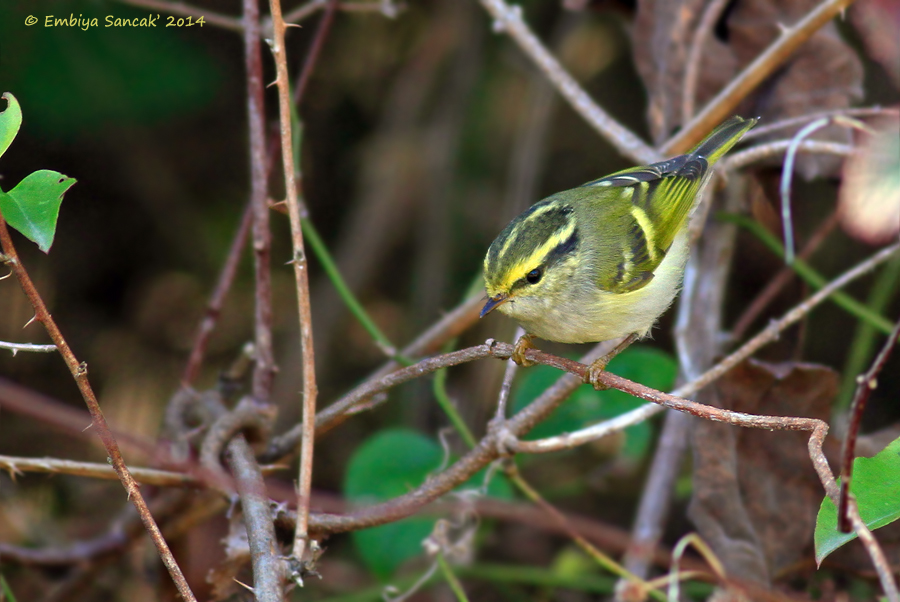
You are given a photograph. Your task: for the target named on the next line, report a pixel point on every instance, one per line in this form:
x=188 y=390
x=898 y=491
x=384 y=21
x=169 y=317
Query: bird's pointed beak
x=493 y=303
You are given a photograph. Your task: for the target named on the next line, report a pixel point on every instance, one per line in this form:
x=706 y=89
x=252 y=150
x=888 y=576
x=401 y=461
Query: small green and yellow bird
x=606 y=259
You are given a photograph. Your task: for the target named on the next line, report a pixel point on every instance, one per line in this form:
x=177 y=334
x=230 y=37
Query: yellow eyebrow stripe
x=536 y=214
x=519 y=270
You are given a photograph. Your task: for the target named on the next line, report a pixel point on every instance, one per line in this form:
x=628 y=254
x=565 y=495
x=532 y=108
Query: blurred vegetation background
x=423 y=135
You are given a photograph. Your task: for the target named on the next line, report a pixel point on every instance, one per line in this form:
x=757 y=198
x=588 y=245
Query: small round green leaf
x=387 y=465
x=33 y=205
x=10 y=120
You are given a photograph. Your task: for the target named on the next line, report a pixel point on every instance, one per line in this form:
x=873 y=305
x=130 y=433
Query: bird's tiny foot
x=505 y=440
x=592 y=376
x=594 y=371
x=522 y=345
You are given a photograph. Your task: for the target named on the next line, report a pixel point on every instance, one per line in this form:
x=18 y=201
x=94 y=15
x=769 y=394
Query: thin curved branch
x=264 y=370
x=759 y=152
x=79 y=373
x=16 y=465
x=488 y=450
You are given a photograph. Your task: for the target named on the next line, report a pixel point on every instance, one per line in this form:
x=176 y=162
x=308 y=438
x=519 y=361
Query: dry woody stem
x=79 y=373
x=301 y=276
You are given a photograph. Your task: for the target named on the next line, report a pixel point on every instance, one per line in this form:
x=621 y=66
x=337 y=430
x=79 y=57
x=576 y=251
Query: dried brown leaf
x=663 y=33
x=824 y=73
x=755 y=492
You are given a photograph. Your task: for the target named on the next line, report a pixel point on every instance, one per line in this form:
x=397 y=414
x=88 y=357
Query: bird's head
x=529 y=263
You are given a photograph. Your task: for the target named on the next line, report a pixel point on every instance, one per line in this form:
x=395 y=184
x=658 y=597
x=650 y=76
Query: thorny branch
x=79 y=373
x=301 y=277
x=267 y=584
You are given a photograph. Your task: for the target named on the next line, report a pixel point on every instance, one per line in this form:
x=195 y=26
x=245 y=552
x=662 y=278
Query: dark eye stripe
x=563 y=249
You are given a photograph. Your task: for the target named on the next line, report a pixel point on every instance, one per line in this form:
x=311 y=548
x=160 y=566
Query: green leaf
x=33 y=205
x=644 y=365
x=387 y=465
x=876 y=486
x=10 y=121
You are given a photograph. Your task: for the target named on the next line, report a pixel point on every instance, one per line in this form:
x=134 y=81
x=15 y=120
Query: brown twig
x=765 y=64
x=79 y=373
x=16 y=465
x=266 y=586
x=247 y=416
x=866 y=384
x=301 y=277
x=217 y=300
x=508 y=375
x=264 y=371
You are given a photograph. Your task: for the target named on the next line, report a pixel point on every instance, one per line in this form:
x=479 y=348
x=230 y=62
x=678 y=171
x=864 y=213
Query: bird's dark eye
x=534 y=276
